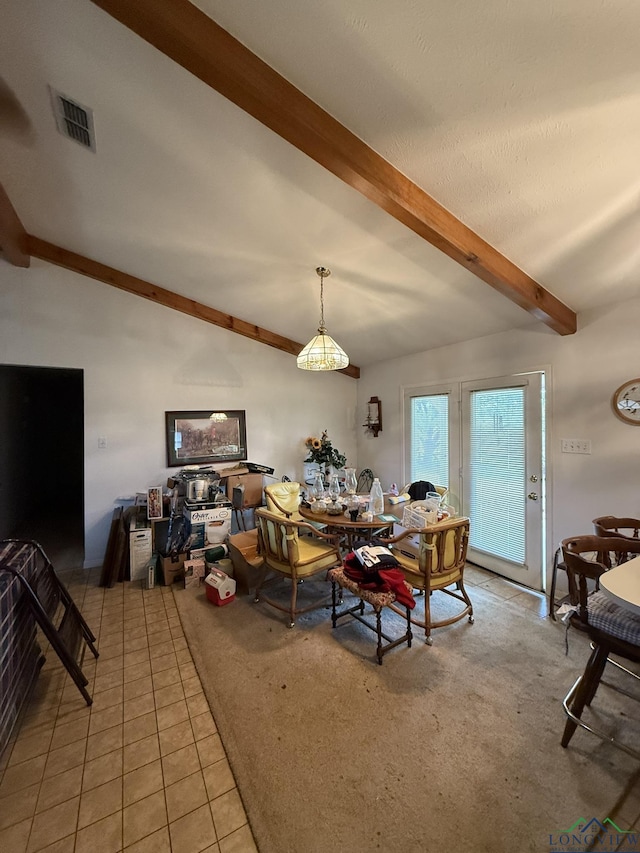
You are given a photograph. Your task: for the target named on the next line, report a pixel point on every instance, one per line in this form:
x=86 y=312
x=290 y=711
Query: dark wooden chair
x=572 y=597
x=612 y=629
x=610 y=525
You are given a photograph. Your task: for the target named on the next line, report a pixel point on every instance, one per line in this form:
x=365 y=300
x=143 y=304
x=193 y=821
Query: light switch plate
x=576 y=445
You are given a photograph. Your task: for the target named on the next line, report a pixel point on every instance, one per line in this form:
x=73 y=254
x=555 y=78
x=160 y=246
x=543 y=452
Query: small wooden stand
x=377 y=600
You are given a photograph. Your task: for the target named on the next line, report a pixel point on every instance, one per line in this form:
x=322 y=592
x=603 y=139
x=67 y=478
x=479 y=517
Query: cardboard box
x=140 y=546
x=409 y=546
x=232 y=472
x=243 y=550
x=193 y=572
x=208 y=524
x=197 y=553
x=171 y=569
x=253 y=485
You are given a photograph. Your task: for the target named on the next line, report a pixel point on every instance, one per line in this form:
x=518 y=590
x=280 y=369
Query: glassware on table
x=334 y=487
x=350 y=481
x=376 y=498
x=317 y=491
x=432 y=501
x=353 y=507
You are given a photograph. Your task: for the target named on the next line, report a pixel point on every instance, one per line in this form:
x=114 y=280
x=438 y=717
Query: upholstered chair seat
x=433 y=560
x=293 y=551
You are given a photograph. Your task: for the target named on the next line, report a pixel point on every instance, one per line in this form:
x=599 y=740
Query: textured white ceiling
x=522 y=119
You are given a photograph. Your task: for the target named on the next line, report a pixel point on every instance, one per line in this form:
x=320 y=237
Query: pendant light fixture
x=322 y=352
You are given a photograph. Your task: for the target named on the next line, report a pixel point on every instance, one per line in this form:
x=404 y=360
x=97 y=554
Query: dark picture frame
x=200 y=437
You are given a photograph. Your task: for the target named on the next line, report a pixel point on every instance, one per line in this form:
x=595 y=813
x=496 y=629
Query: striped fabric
x=606 y=615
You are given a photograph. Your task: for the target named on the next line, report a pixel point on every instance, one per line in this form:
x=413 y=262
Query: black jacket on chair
x=418 y=490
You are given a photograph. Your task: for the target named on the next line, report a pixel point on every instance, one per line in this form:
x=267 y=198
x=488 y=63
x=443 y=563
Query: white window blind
x=430 y=439
x=497 y=459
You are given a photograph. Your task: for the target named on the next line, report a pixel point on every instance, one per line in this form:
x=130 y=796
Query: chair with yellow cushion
x=432 y=560
x=290 y=555
x=283 y=499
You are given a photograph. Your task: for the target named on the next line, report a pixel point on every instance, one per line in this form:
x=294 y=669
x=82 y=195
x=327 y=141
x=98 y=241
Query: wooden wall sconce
x=374 y=416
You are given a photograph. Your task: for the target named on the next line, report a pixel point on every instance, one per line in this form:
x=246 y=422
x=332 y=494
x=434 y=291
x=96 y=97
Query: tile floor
x=515 y=594
x=143 y=768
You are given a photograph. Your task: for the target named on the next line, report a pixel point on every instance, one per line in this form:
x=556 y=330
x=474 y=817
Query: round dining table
x=353 y=530
x=622 y=584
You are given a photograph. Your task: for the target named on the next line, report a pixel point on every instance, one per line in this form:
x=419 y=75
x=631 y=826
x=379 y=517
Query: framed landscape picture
x=197 y=438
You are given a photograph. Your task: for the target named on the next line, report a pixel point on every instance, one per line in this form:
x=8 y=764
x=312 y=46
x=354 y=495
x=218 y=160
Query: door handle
x=532 y=496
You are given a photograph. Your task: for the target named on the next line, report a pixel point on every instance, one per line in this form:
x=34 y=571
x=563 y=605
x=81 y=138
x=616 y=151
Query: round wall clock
x=626 y=402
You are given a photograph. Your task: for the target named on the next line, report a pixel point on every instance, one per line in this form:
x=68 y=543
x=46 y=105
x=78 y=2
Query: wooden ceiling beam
x=193 y=40
x=38 y=248
x=13 y=237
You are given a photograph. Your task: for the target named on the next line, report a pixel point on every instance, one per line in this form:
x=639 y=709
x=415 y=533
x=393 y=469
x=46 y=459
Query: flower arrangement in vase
x=323 y=453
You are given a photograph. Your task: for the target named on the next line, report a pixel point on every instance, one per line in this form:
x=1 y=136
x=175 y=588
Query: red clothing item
x=395 y=579
x=380 y=580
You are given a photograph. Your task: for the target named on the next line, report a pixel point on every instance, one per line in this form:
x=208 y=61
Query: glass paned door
x=484 y=440
x=502 y=475
x=429 y=459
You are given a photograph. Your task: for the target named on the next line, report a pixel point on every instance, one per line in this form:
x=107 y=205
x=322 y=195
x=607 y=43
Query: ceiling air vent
x=74 y=120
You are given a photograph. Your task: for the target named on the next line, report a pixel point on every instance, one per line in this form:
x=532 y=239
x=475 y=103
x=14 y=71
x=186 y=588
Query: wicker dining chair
x=289 y=555
x=435 y=564
x=283 y=499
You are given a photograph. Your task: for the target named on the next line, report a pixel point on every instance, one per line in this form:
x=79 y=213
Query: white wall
x=584 y=370
x=140 y=360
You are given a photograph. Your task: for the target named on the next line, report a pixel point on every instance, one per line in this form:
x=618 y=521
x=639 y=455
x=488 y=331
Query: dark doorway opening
x=42 y=459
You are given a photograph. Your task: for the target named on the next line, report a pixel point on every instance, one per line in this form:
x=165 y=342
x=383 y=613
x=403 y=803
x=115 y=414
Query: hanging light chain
x=322 y=352
x=322 y=272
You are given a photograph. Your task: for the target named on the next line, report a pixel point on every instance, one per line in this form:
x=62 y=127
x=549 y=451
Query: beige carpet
x=453 y=747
